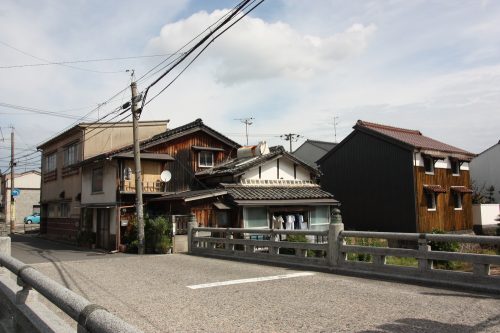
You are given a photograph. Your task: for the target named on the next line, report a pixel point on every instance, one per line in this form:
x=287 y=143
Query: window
x=71 y=154
x=97 y=175
x=428 y=164
x=255 y=217
x=64 y=209
x=205 y=159
x=455 y=167
x=430 y=198
x=52 y=210
x=320 y=218
x=50 y=162
x=457 y=200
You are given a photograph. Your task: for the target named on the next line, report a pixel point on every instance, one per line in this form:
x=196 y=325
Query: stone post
x=191 y=224
x=4 y=249
x=424 y=264
x=335 y=228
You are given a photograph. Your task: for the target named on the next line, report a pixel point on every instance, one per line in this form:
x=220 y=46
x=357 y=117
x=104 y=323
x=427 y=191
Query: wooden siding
x=445 y=217
x=186 y=158
x=373 y=180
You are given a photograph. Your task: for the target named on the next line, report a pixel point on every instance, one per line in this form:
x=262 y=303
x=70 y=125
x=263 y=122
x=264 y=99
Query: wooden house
x=251 y=189
x=395 y=179
x=108 y=179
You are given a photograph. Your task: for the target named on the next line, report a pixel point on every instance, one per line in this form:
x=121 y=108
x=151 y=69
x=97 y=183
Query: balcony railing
x=147 y=186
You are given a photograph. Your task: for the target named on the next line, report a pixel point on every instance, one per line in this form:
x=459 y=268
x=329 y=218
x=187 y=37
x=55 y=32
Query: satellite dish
x=165 y=176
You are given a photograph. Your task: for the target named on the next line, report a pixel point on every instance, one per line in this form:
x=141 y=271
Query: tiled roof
x=198 y=123
x=413 y=138
x=239 y=165
x=434 y=188
x=241 y=192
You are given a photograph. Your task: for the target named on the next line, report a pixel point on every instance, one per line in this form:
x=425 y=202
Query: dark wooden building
x=395 y=179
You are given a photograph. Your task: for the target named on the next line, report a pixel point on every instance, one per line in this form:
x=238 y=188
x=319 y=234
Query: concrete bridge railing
x=32 y=316
x=329 y=250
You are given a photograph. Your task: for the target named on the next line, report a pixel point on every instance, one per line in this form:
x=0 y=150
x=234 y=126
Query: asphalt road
x=155 y=293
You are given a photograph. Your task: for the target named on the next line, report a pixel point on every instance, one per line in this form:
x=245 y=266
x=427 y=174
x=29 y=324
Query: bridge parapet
x=32 y=316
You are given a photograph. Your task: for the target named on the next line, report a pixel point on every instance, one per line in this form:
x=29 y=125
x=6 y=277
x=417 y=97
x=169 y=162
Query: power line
x=86 y=61
x=290 y=137
x=49 y=62
x=241 y=6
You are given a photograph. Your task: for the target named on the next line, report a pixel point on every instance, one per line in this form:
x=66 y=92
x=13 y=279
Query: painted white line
x=258 y=279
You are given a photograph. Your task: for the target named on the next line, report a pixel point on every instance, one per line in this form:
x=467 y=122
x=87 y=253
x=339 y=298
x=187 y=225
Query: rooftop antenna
x=247 y=122
x=335 y=123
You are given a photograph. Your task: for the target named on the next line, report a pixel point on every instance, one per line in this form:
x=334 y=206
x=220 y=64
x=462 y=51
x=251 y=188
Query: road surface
x=182 y=293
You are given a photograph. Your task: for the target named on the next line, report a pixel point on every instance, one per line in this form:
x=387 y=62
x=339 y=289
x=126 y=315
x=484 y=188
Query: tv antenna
x=247 y=122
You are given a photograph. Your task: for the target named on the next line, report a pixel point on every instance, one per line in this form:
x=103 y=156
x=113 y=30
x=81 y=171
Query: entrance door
x=102 y=228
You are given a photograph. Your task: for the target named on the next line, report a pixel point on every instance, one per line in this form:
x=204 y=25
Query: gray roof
x=243 y=192
x=312 y=150
x=239 y=165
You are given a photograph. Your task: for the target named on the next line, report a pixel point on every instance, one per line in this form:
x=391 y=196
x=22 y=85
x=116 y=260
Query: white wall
x=485 y=170
x=269 y=171
x=485 y=214
x=440 y=164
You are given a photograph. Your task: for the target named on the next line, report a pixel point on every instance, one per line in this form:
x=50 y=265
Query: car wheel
x=29 y=221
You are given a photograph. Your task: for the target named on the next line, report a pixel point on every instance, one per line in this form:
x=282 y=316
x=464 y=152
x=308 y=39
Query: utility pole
x=138 y=173
x=335 y=123
x=12 y=201
x=246 y=121
x=290 y=137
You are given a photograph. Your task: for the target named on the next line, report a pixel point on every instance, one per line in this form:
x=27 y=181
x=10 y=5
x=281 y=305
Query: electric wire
x=195 y=57
x=64 y=65
x=85 y=61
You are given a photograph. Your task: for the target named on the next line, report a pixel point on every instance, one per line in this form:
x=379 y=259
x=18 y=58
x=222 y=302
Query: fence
x=334 y=253
x=34 y=317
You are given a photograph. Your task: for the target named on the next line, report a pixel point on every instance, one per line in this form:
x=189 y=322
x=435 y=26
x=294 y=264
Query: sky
x=292 y=66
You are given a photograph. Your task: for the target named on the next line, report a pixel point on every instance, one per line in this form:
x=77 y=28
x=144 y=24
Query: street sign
x=16 y=192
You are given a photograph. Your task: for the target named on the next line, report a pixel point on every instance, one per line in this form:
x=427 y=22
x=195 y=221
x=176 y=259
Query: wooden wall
x=445 y=217
x=186 y=158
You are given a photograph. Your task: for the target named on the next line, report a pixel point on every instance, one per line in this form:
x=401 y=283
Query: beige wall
x=29 y=184
x=108 y=194
x=102 y=139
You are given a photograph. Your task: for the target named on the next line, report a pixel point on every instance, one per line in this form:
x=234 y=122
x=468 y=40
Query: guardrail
x=329 y=250
x=90 y=317
x=269 y=244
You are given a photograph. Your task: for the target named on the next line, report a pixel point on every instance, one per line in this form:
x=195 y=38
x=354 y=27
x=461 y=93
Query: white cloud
x=255 y=49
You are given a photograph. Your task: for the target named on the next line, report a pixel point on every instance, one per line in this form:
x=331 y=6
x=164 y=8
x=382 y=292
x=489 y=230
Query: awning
x=434 y=154
x=461 y=189
x=207 y=148
x=147 y=156
x=434 y=188
x=220 y=205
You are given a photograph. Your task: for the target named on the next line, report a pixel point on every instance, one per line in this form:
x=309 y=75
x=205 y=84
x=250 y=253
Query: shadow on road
x=414 y=325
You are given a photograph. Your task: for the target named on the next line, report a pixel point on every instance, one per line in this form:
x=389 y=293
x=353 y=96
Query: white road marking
x=258 y=279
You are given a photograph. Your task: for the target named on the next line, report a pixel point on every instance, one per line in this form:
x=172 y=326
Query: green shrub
x=446 y=247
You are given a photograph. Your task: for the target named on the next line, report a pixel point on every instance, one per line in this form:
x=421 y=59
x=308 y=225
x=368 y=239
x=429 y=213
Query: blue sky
x=291 y=65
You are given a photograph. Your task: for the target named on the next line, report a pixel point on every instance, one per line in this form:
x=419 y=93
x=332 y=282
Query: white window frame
x=70 y=155
x=51 y=162
x=452 y=161
x=458 y=196
x=203 y=152
x=434 y=201
x=431 y=172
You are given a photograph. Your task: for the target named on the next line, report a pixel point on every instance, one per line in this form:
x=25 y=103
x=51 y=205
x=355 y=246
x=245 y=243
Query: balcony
x=156 y=186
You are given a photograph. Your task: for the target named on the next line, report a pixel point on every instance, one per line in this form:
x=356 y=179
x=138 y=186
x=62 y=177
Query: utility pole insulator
x=290 y=137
